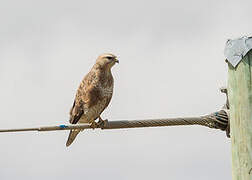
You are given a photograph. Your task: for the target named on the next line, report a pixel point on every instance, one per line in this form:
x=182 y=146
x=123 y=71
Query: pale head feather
x=106 y=61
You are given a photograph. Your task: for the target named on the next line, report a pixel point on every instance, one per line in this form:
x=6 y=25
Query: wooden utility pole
x=240 y=100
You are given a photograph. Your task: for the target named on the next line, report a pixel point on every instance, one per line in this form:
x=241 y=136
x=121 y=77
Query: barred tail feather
x=72 y=136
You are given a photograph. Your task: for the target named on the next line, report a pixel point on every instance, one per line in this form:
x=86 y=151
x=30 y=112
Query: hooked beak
x=117 y=61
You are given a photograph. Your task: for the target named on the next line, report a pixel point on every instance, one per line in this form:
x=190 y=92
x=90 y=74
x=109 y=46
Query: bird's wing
x=76 y=112
x=87 y=96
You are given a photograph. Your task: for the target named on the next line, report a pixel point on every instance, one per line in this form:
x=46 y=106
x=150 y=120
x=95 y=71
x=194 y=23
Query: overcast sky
x=171 y=64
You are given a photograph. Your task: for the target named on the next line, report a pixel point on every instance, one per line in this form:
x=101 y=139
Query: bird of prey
x=93 y=94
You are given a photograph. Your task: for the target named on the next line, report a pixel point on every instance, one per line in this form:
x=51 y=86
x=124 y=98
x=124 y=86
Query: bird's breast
x=106 y=86
x=106 y=91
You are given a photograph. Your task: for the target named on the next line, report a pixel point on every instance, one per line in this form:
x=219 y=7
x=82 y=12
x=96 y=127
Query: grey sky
x=171 y=64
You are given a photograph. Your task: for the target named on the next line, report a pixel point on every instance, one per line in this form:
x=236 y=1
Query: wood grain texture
x=240 y=99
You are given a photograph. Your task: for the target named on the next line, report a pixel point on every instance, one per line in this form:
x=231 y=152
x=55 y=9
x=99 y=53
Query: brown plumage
x=93 y=94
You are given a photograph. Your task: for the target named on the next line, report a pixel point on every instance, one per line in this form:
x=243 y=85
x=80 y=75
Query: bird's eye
x=109 y=57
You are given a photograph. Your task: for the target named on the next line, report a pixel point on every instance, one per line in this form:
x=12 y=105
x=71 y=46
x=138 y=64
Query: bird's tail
x=72 y=136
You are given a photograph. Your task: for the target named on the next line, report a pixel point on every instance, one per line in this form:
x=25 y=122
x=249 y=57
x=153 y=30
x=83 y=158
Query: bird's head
x=107 y=61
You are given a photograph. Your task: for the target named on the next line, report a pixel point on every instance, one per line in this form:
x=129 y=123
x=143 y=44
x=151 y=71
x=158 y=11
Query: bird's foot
x=101 y=123
x=94 y=125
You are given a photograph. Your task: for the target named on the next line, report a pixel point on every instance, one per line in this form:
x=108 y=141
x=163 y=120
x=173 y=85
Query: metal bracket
x=236 y=49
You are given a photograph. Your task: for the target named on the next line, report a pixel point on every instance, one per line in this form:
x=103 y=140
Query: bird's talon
x=101 y=123
x=94 y=125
